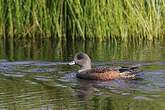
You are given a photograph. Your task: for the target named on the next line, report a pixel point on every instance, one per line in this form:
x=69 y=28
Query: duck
x=101 y=73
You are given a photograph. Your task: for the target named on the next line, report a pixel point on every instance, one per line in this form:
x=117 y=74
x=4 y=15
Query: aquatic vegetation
x=76 y=19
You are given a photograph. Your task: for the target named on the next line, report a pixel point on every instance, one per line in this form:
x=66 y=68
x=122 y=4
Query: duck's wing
x=129 y=72
x=132 y=69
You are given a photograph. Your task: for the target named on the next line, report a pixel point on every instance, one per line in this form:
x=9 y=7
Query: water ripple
x=43 y=85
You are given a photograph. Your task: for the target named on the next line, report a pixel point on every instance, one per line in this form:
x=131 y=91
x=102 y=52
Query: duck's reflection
x=85 y=88
x=88 y=88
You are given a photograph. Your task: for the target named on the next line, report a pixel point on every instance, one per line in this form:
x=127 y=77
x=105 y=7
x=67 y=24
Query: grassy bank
x=101 y=19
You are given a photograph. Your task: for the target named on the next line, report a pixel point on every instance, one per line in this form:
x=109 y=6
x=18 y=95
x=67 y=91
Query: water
x=34 y=75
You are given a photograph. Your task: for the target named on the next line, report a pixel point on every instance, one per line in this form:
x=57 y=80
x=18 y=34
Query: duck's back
x=99 y=74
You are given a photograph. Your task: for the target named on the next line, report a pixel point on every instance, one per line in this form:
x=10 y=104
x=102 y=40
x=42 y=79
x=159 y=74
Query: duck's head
x=83 y=60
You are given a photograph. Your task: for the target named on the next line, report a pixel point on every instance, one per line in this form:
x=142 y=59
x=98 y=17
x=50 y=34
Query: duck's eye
x=80 y=56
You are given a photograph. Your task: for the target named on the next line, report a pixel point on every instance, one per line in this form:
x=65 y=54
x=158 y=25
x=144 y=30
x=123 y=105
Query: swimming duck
x=102 y=73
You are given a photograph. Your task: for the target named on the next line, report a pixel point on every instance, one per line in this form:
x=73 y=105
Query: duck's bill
x=72 y=63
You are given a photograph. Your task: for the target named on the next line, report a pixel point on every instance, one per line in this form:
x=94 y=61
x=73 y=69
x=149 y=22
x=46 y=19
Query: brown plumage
x=86 y=72
x=98 y=74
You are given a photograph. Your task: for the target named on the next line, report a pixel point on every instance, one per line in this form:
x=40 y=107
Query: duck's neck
x=84 y=68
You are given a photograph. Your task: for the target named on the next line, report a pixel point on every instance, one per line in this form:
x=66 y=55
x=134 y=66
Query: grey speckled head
x=83 y=60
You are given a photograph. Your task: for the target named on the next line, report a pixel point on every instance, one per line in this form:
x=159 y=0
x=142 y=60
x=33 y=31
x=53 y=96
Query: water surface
x=35 y=75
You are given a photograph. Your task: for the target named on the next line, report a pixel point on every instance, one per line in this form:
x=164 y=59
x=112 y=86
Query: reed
x=86 y=19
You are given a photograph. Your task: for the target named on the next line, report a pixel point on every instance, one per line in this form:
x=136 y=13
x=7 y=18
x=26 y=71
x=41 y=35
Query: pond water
x=34 y=75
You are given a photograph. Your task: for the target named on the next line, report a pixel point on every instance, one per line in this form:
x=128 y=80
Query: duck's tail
x=129 y=72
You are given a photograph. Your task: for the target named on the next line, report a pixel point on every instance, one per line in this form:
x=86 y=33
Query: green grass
x=86 y=19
